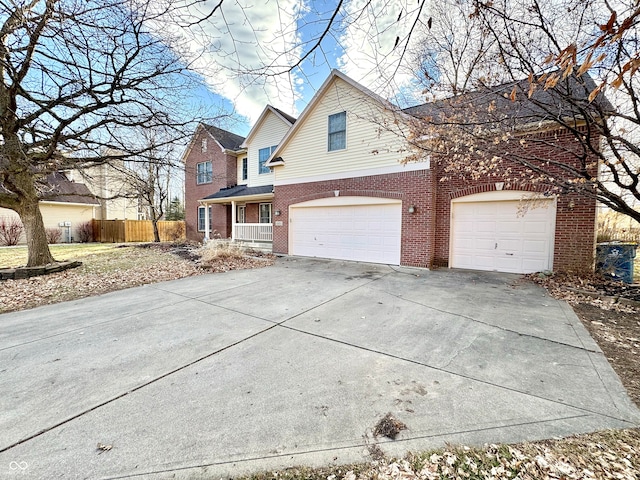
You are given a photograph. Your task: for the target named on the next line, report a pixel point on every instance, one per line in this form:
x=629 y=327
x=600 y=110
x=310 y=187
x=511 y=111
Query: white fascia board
x=258 y=123
x=370 y=172
x=316 y=98
x=244 y=198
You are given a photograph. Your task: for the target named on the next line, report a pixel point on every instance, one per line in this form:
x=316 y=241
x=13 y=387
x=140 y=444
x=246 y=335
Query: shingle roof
x=58 y=188
x=240 y=191
x=494 y=104
x=291 y=119
x=228 y=140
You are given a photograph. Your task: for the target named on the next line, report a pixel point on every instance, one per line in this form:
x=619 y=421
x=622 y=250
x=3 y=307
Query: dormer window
x=337 y=131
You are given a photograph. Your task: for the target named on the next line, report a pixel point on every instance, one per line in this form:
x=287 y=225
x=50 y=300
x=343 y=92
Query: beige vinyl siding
x=54 y=213
x=239 y=179
x=269 y=133
x=108 y=182
x=370 y=144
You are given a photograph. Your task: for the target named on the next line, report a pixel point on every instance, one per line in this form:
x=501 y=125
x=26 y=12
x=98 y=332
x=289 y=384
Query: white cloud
x=245 y=38
x=373 y=38
x=239 y=40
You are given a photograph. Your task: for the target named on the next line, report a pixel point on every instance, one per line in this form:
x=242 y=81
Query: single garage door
x=347 y=228
x=502 y=235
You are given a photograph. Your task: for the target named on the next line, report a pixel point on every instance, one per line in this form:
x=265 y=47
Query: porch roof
x=240 y=193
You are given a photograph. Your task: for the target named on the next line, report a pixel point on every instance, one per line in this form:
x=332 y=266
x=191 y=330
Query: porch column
x=233 y=220
x=207 y=227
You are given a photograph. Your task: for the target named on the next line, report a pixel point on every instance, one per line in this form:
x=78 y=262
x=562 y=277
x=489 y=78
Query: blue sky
x=242 y=51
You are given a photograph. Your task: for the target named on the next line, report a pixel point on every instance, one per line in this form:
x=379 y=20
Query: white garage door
x=347 y=228
x=505 y=236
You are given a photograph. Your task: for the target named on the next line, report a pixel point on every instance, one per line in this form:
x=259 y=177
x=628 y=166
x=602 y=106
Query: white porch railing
x=257 y=232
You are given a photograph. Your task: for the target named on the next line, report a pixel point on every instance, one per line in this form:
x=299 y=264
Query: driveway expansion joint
x=462 y=375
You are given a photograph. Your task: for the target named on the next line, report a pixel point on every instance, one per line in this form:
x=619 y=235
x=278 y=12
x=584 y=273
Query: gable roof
x=288 y=119
x=275 y=160
x=226 y=139
x=58 y=188
x=493 y=105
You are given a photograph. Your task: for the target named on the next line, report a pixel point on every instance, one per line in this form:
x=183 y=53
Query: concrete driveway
x=293 y=364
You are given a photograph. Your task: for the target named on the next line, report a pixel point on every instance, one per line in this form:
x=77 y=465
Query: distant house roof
x=58 y=188
x=240 y=191
x=226 y=139
x=494 y=105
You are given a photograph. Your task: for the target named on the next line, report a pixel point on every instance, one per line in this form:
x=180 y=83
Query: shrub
x=10 y=231
x=84 y=232
x=53 y=235
x=220 y=250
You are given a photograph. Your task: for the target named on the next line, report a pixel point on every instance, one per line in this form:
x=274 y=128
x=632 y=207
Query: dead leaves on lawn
x=114 y=269
x=604 y=456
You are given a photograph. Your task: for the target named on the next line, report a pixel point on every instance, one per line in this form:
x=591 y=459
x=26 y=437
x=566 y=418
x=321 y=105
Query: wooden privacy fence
x=119 y=231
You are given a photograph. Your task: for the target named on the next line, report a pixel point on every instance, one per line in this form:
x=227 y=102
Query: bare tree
x=75 y=78
x=149 y=176
x=547 y=71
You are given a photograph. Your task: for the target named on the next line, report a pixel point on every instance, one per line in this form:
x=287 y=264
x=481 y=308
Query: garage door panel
x=535 y=247
x=360 y=232
x=485 y=226
x=496 y=235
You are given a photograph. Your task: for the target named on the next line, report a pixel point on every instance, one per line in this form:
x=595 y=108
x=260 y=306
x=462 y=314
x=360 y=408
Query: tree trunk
x=39 y=253
x=156 y=233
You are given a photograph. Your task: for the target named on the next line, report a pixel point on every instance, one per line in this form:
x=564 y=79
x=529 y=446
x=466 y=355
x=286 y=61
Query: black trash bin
x=614 y=260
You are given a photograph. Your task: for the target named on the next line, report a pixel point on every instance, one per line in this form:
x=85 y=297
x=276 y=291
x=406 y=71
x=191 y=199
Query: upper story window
x=245 y=169
x=204 y=173
x=263 y=156
x=204 y=145
x=337 y=131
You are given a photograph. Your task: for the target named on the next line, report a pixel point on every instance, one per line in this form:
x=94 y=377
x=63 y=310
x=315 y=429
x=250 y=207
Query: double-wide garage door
x=347 y=228
x=503 y=235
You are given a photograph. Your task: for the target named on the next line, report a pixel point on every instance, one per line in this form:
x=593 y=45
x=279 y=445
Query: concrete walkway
x=293 y=364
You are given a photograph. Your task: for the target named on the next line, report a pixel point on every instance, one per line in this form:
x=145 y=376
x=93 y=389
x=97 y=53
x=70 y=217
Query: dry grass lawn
x=106 y=268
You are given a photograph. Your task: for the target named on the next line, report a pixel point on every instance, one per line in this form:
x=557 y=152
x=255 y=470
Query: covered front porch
x=250 y=213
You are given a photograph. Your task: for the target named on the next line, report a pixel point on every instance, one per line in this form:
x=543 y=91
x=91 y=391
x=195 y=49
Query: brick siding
x=575 y=227
x=413 y=188
x=224 y=175
x=425 y=233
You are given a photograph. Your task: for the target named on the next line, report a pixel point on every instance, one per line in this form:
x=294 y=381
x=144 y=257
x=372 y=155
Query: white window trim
x=345 y=133
x=210 y=218
x=198 y=174
x=243 y=209
x=244 y=169
x=270 y=213
x=271 y=150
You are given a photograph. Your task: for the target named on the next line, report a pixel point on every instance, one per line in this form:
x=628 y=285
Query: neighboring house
x=109 y=183
x=340 y=190
x=66 y=206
